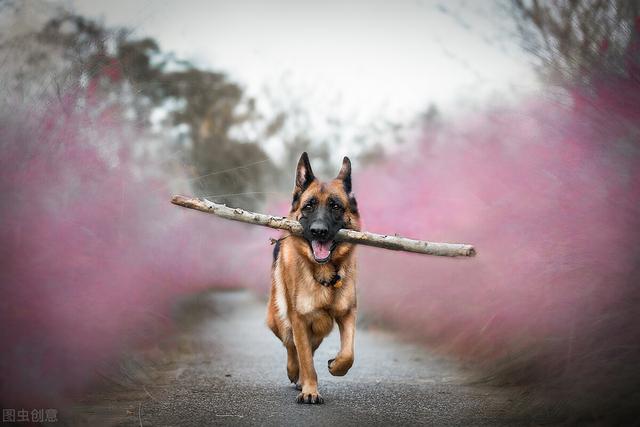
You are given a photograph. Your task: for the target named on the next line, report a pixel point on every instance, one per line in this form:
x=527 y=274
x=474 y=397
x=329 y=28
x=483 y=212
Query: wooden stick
x=395 y=243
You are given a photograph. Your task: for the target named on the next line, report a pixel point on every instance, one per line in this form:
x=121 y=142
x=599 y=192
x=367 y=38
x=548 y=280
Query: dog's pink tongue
x=320 y=250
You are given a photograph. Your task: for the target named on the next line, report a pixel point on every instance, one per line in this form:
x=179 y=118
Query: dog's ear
x=345 y=175
x=304 y=173
x=304 y=178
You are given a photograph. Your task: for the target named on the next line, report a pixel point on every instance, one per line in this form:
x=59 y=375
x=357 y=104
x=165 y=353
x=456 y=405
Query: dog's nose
x=319 y=230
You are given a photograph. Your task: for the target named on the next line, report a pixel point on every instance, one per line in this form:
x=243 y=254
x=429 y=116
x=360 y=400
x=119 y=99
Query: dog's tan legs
x=308 y=376
x=293 y=369
x=315 y=343
x=344 y=359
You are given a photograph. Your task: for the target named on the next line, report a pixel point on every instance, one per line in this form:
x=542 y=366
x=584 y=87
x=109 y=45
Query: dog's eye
x=308 y=207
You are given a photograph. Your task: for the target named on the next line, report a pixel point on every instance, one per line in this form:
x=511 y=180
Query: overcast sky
x=354 y=61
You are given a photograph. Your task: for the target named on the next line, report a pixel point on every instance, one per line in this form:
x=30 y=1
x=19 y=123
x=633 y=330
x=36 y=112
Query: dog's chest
x=313 y=298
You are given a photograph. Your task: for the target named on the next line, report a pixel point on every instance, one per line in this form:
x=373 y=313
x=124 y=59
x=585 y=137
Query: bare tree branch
x=396 y=243
x=573 y=39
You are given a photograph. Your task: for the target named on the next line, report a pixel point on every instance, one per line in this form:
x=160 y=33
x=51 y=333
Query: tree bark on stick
x=395 y=243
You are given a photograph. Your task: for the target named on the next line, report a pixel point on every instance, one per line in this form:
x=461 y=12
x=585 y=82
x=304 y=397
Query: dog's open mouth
x=322 y=250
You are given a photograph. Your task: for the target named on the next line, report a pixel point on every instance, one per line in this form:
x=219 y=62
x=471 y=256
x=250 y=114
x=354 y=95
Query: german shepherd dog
x=313 y=277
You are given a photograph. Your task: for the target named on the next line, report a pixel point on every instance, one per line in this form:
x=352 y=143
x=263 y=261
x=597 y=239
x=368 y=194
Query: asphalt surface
x=225 y=367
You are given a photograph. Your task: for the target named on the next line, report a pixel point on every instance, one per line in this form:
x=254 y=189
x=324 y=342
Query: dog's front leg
x=343 y=361
x=308 y=376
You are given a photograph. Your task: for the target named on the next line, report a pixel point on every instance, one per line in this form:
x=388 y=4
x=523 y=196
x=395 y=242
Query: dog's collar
x=336 y=281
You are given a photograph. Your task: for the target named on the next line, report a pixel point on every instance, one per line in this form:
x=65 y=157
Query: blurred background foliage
x=198 y=118
x=203 y=121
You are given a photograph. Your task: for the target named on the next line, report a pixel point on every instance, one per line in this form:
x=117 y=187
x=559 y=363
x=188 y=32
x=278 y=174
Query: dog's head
x=323 y=208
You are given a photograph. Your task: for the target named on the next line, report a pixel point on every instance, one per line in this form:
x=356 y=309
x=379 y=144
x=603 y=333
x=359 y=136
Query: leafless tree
x=574 y=38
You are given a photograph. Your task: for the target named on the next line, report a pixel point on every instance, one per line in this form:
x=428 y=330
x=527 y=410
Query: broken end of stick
x=189 y=202
x=471 y=251
x=179 y=200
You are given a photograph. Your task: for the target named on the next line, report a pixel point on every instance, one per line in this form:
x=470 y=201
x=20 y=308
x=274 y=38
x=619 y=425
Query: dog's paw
x=339 y=366
x=313 y=398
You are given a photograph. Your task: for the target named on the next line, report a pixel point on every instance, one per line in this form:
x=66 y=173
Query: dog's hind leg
x=320 y=327
x=315 y=343
x=293 y=367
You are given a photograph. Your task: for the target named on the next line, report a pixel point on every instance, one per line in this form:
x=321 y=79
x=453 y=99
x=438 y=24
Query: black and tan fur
x=307 y=296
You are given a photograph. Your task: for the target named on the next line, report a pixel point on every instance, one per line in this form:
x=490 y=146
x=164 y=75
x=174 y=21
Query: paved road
x=225 y=367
